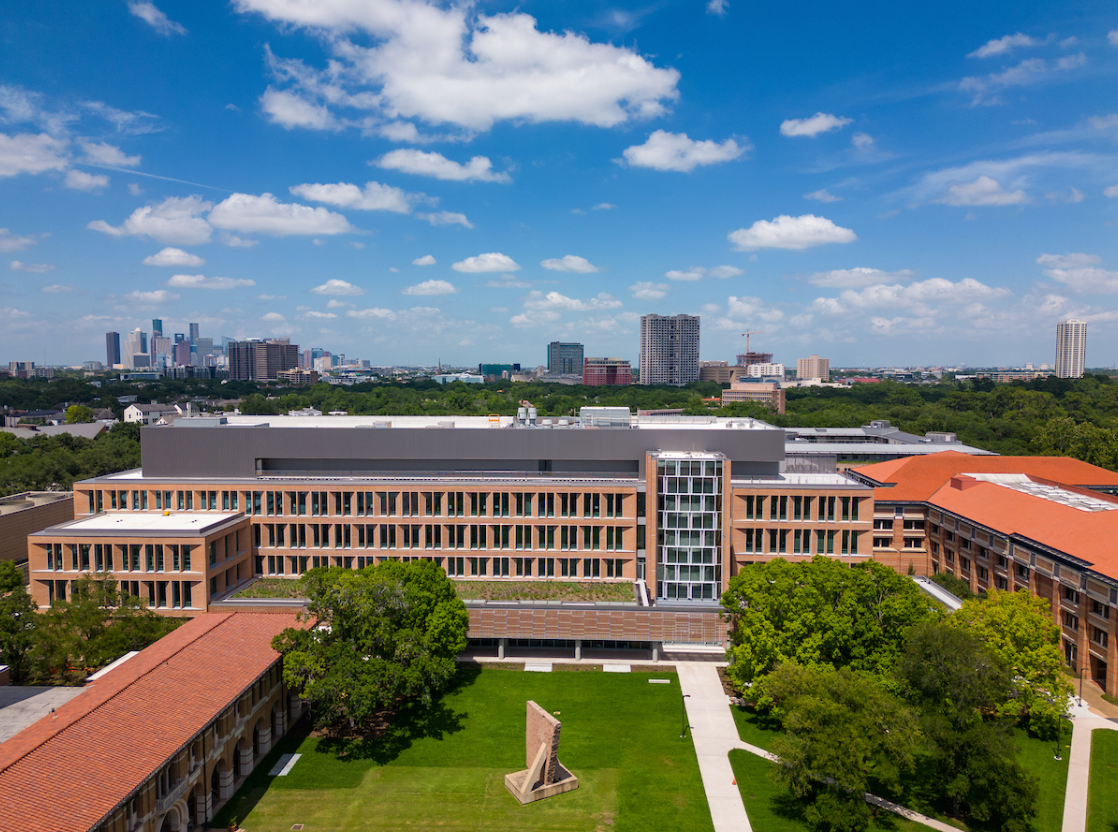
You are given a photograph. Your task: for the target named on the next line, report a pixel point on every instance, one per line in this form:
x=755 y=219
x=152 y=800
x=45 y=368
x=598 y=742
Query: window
x=882 y=542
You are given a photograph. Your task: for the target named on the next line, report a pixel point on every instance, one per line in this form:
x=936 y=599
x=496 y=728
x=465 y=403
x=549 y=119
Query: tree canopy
x=380 y=637
x=820 y=613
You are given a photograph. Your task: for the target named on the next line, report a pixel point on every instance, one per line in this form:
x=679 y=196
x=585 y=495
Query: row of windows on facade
x=822 y=509
x=133 y=557
x=800 y=540
x=158 y=594
x=437 y=536
x=366 y=503
x=456 y=567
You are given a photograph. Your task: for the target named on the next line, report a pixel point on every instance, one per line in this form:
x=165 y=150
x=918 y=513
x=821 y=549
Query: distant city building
x=1071 y=348
x=814 y=367
x=92 y=366
x=768 y=370
x=193 y=333
x=156 y=327
x=297 y=376
x=669 y=349
x=564 y=358
x=765 y=393
x=112 y=348
x=450 y=378
x=497 y=372
x=136 y=350
x=607 y=372
x=21 y=369
x=261 y=360
x=748 y=358
x=719 y=372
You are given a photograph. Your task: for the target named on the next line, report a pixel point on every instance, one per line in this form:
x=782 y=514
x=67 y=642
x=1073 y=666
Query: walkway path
x=1085 y=721
x=714 y=734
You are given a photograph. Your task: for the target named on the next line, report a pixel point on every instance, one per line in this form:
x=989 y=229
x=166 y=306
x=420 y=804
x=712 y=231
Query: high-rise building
x=814 y=367
x=564 y=358
x=112 y=348
x=261 y=360
x=607 y=372
x=193 y=333
x=1071 y=348
x=182 y=353
x=669 y=349
x=748 y=359
x=156 y=327
x=136 y=349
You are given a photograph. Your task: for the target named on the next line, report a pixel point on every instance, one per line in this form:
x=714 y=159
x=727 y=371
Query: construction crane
x=747 y=333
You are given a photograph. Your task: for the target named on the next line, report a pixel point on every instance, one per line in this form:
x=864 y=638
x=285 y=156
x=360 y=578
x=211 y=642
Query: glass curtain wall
x=689 y=523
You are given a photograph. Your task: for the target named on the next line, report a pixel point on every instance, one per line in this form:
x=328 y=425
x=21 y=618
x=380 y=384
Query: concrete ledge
x=513 y=783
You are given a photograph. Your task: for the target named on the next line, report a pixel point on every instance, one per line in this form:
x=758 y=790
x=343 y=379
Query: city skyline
x=473 y=185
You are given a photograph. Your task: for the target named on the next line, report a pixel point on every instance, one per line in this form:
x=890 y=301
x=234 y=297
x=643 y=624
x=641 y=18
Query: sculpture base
x=524 y=792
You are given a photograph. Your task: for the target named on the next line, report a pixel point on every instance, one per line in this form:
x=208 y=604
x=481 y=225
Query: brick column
x=225 y=784
x=265 y=741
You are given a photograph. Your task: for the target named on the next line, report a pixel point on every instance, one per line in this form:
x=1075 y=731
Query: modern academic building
x=1045 y=524
x=671 y=505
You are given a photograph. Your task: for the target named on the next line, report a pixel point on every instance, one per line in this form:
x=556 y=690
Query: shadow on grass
x=412 y=722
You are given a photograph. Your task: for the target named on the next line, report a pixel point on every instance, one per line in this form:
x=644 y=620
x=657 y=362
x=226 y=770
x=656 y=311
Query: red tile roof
x=1087 y=535
x=70 y=769
x=916 y=478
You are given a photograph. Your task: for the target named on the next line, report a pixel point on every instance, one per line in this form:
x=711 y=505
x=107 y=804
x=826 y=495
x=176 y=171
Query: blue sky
x=406 y=181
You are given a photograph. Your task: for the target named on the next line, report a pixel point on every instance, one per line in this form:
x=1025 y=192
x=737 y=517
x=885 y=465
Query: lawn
x=545 y=591
x=1036 y=757
x=271 y=588
x=1102 y=797
x=443 y=768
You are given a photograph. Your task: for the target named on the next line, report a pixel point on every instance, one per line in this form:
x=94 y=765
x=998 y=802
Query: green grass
x=1102 y=797
x=1037 y=758
x=443 y=768
x=773 y=809
x=271 y=588
x=753 y=728
x=544 y=591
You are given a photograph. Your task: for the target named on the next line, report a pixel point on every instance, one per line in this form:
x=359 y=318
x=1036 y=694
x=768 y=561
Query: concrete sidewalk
x=1085 y=721
x=714 y=733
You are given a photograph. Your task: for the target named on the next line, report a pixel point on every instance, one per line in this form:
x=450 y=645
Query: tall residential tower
x=1071 y=348
x=669 y=349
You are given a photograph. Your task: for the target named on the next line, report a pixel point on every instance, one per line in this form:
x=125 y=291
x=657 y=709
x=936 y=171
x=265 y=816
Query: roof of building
x=152 y=408
x=143 y=523
x=1075 y=521
x=917 y=478
x=107 y=742
x=88 y=430
x=32 y=499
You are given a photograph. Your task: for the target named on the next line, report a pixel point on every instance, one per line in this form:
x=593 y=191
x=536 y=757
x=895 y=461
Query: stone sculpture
x=545 y=775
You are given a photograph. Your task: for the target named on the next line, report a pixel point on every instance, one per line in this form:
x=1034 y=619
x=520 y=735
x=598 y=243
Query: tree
x=1017 y=627
x=381 y=638
x=95 y=627
x=842 y=732
x=958 y=684
x=78 y=414
x=820 y=613
x=17 y=622
x=10 y=577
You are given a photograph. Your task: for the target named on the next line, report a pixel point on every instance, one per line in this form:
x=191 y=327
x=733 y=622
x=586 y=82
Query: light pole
x=1059 y=727
x=683 y=715
x=1082 y=670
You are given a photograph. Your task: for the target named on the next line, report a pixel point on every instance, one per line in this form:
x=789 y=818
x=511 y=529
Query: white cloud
x=425 y=260
x=723 y=272
x=527 y=320
x=674 y=151
x=79 y=180
x=813 y=125
x=421 y=163
x=148 y=13
x=174 y=257
x=985 y=190
x=538 y=301
x=646 y=290
x=491 y=262
x=1029 y=71
x=915 y=296
x=457 y=66
x=862 y=142
x=340 y=304
x=1002 y=45
x=29 y=153
x=604 y=206
x=333 y=286
x=748 y=309
x=10 y=242
x=790 y=233
x=822 y=195
x=32 y=268
x=272 y=317
x=265 y=215
x=102 y=153
x=445 y=218
x=508 y=281
x=375 y=312
x=1111 y=191
x=1112 y=37
x=857 y=277
x=717 y=7
x=431 y=287
x=690 y=275
x=233 y=241
x=374 y=197
x=56 y=288
x=158 y=296
x=197 y=281
x=134 y=189
x=289 y=110
x=271 y=297
x=1071 y=195
x=570 y=263
x=1080 y=273
x=315 y=315
x=174 y=220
